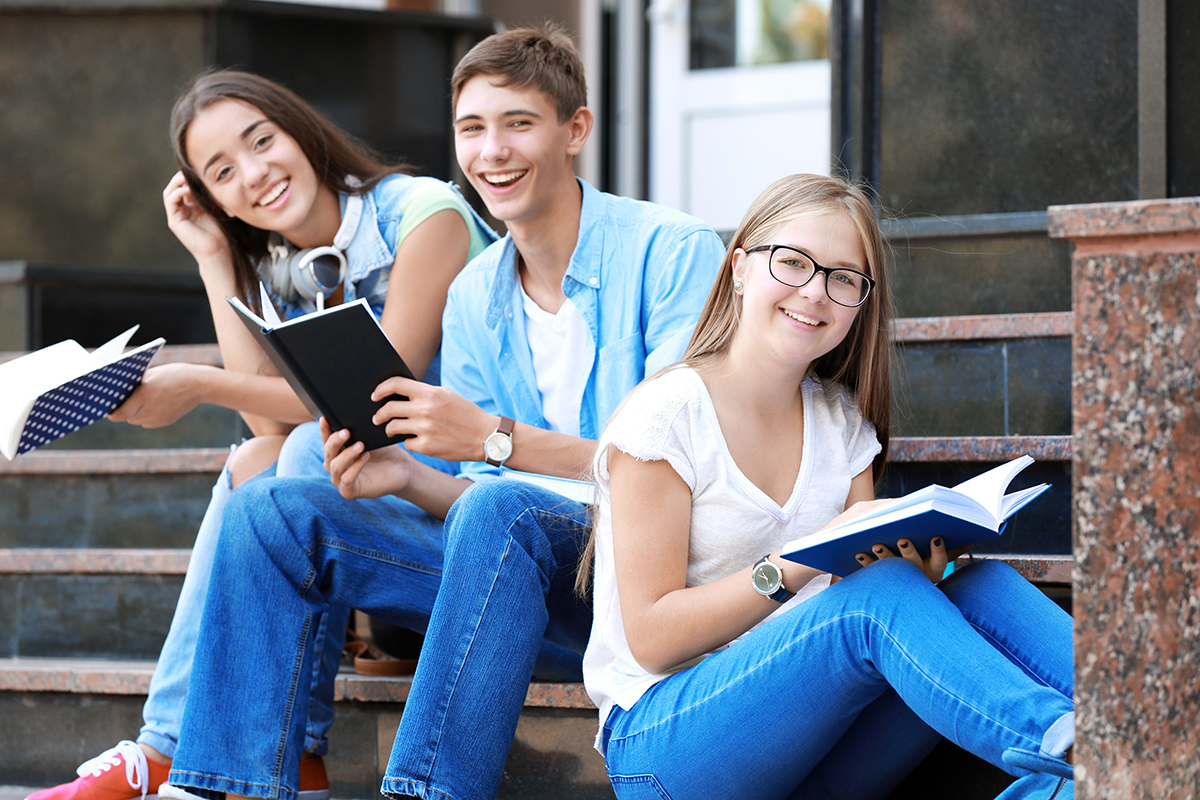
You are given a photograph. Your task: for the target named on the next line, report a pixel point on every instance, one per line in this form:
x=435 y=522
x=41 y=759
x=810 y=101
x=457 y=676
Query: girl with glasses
x=724 y=670
x=263 y=179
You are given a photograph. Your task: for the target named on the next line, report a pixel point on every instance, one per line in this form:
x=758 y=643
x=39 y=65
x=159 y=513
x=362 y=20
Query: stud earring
x=737 y=287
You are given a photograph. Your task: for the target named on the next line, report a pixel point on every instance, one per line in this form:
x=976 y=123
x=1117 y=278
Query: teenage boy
x=544 y=334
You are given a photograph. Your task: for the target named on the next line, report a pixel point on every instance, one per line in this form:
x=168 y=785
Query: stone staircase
x=94 y=532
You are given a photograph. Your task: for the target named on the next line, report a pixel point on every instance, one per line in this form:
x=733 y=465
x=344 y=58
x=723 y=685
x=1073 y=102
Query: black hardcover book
x=333 y=359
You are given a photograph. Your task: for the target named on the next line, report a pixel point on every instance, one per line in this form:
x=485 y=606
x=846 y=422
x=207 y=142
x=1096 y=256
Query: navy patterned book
x=59 y=389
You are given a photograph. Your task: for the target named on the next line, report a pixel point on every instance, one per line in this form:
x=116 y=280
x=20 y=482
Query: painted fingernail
x=879 y=550
x=904 y=545
x=937 y=542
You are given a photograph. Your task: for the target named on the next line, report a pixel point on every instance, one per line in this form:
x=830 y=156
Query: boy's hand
x=359 y=474
x=443 y=424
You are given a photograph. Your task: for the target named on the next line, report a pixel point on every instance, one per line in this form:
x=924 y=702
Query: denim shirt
x=639 y=275
x=371 y=252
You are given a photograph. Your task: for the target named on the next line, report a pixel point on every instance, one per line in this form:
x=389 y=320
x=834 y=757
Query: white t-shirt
x=559 y=343
x=733 y=523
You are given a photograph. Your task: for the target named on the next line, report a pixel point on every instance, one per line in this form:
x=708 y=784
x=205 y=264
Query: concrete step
x=125 y=498
x=63 y=712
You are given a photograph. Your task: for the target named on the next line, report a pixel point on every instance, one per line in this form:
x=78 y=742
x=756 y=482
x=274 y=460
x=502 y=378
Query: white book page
x=270 y=315
x=988 y=489
x=24 y=377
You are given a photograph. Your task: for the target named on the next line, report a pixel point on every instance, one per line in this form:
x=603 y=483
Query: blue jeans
x=163 y=712
x=292 y=548
x=506 y=611
x=845 y=694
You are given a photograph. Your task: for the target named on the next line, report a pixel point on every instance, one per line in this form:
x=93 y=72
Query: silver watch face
x=767 y=578
x=497 y=446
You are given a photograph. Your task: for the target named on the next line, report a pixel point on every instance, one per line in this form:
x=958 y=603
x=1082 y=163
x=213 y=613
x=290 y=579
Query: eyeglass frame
x=827 y=271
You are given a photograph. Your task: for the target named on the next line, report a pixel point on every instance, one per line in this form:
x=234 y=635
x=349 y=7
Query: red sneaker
x=314 y=783
x=122 y=773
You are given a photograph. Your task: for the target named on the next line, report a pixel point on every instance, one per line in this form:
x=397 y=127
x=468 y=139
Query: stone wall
x=1136 y=397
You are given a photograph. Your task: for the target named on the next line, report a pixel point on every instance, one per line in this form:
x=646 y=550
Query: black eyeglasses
x=792 y=267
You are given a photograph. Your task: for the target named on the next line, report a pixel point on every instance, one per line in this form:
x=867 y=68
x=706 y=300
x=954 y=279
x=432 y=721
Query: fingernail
x=937 y=542
x=904 y=545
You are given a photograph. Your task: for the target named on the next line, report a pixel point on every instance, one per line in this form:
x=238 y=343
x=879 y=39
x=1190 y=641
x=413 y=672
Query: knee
x=252 y=457
x=495 y=512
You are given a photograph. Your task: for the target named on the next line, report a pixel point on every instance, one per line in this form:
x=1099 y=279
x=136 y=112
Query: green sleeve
x=430 y=197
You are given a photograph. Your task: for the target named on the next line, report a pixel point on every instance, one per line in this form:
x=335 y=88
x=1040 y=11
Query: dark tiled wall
x=994 y=388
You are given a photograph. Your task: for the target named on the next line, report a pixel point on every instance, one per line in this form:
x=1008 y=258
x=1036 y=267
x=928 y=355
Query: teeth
x=505 y=178
x=799 y=318
x=274 y=195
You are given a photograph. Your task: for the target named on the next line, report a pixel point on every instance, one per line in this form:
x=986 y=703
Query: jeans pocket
x=638 y=787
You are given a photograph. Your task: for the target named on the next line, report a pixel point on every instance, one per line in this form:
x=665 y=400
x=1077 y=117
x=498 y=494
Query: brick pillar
x=1136 y=500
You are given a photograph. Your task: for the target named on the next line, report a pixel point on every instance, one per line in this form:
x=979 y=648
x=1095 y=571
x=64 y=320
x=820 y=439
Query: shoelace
x=137 y=769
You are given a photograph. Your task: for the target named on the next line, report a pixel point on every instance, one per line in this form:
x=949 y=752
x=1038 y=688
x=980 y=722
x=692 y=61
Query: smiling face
x=257 y=173
x=513 y=149
x=797 y=325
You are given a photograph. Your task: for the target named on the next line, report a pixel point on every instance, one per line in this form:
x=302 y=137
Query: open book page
x=269 y=313
x=988 y=489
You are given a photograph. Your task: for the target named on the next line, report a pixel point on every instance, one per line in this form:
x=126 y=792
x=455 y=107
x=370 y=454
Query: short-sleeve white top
x=733 y=522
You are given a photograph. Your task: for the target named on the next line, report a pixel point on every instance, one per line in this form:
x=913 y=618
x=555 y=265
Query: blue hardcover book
x=966 y=514
x=61 y=388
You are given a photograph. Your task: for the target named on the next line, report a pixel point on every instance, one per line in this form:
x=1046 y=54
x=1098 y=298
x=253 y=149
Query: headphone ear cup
x=317 y=270
x=281 y=277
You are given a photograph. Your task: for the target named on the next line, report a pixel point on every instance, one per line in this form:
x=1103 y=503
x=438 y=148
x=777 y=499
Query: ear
x=739 y=264
x=580 y=126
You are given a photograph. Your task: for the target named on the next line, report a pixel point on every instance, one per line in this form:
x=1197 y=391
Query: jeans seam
x=375 y=555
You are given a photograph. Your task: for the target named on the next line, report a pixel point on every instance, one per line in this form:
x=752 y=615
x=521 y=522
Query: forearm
x=268 y=399
x=688 y=623
x=547 y=453
x=432 y=490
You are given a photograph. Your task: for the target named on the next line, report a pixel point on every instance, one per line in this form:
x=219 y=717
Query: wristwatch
x=497 y=447
x=768 y=580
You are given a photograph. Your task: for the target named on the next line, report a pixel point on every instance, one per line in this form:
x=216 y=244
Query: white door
x=739 y=96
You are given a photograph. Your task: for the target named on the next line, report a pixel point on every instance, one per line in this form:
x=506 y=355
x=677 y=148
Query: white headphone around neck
x=314 y=272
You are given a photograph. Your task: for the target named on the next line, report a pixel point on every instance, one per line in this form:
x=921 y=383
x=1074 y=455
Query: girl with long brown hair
x=269 y=190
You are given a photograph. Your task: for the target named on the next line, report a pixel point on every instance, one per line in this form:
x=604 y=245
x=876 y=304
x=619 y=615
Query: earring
x=737 y=287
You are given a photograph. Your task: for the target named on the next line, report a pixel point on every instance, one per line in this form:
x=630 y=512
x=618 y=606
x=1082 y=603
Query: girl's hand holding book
x=934 y=567
x=167 y=392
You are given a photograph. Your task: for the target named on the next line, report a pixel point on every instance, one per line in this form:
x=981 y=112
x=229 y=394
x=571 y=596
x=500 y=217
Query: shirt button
x=593 y=281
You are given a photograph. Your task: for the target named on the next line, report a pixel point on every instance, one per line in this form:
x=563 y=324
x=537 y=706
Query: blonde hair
x=862 y=362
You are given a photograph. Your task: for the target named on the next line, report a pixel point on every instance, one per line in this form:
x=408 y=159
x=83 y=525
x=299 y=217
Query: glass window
x=1005 y=107
x=743 y=33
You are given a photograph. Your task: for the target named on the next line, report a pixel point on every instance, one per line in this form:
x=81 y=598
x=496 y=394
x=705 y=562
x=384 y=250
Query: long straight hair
x=333 y=153
x=862 y=361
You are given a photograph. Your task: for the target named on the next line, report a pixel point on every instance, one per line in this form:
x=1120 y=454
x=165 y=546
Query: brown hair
x=333 y=153
x=545 y=58
x=862 y=361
